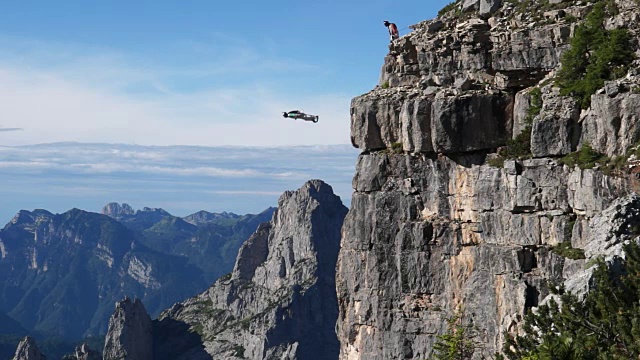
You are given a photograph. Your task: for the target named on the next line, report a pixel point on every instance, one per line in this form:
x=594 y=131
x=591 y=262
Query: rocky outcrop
x=83 y=352
x=553 y=131
x=279 y=302
x=116 y=210
x=28 y=350
x=433 y=227
x=129 y=335
x=604 y=237
x=612 y=123
x=443 y=123
x=474 y=70
x=483 y=7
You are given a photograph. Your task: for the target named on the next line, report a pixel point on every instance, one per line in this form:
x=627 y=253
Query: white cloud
x=181 y=179
x=61 y=92
x=178 y=161
x=245 y=192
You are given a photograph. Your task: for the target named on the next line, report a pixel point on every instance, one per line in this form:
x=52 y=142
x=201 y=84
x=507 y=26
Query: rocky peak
x=280 y=300
x=28 y=350
x=116 y=210
x=28 y=220
x=295 y=237
x=129 y=335
x=461 y=83
x=158 y=211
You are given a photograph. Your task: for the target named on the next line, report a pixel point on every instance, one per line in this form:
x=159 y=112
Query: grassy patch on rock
x=452 y=6
x=585 y=158
x=588 y=158
x=565 y=250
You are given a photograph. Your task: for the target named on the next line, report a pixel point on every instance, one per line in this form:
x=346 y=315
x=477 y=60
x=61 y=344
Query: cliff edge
x=472 y=178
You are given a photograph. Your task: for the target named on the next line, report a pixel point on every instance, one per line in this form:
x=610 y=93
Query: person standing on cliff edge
x=393 y=30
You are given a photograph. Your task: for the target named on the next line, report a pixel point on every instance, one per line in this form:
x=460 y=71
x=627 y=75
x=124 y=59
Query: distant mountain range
x=60 y=274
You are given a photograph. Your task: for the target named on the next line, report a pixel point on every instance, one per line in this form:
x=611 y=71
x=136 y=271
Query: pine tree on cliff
x=458 y=342
x=595 y=56
x=603 y=325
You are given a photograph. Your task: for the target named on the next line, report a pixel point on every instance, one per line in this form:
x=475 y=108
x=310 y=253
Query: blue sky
x=190 y=72
x=144 y=74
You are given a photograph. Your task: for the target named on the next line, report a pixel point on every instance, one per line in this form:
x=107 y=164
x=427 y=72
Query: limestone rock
x=280 y=300
x=483 y=7
x=612 y=124
x=432 y=227
x=521 y=106
x=470 y=123
x=447 y=124
x=468 y=5
x=488 y=7
x=409 y=258
x=553 y=129
x=130 y=332
x=28 y=350
x=252 y=253
x=608 y=232
x=613 y=227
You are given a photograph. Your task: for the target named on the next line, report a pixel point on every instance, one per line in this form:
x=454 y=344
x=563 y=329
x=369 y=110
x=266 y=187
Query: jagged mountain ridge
x=88 y=261
x=209 y=240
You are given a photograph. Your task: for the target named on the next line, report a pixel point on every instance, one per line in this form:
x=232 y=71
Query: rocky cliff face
x=129 y=335
x=279 y=302
x=28 y=350
x=433 y=228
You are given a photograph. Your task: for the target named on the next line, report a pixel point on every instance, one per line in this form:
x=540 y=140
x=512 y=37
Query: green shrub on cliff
x=585 y=158
x=458 y=342
x=595 y=56
x=565 y=250
x=603 y=325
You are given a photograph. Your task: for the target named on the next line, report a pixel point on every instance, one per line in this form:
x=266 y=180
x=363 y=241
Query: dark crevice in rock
x=527 y=259
x=524 y=209
x=531 y=297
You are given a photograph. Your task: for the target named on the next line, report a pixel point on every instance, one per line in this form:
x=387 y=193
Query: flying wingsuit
x=297 y=114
